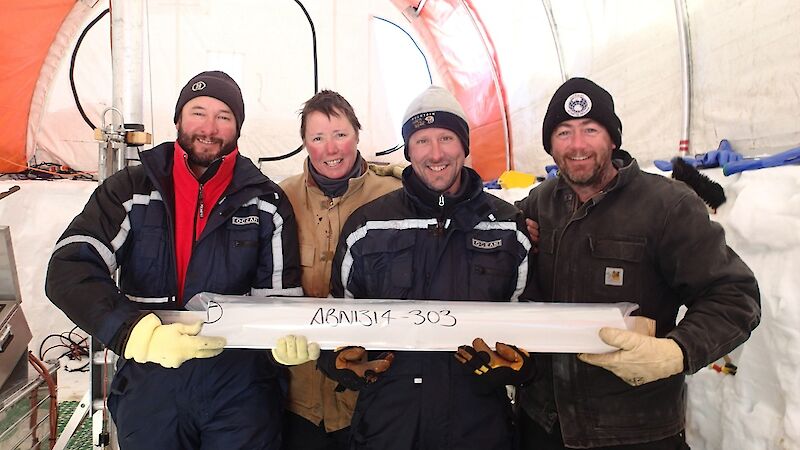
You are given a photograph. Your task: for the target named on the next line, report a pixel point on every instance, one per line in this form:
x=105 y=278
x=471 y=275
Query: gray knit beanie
x=436 y=107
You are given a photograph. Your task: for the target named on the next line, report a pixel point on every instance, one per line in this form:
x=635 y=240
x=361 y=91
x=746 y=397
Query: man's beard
x=186 y=142
x=594 y=177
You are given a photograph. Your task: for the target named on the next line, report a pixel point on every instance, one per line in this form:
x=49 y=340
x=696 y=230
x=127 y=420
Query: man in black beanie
x=611 y=233
x=440 y=237
x=195 y=216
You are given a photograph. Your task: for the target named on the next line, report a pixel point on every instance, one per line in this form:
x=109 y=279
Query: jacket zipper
x=200 y=200
x=574 y=218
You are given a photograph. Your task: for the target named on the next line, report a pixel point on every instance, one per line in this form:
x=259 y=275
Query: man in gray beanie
x=195 y=216
x=609 y=232
x=440 y=237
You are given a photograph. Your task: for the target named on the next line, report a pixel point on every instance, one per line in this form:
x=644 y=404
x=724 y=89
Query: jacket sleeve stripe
x=106 y=254
x=360 y=232
x=125 y=226
x=288 y=292
x=150 y=299
x=277 y=241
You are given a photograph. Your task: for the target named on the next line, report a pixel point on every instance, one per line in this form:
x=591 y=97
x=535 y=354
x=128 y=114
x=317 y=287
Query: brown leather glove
x=350 y=368
x=508 y=365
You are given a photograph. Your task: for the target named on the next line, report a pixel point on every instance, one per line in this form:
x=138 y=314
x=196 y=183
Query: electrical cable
x=71 y=174
x=424 y=58
x=316 y=83
x=77 y=348
x=427 y=67
x=72 y=67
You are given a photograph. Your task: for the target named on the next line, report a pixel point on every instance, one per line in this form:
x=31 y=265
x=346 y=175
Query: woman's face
x=331 y=143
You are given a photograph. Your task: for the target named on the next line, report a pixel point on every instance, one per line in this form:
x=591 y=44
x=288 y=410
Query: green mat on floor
x=82 y=438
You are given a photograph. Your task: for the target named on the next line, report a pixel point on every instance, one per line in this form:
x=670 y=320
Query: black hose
x=72 y=68
x=316 y=83
x=424 y=58
x=427 y=67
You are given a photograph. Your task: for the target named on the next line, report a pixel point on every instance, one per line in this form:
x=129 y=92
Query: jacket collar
x=354 y=184
x=467 y=208
x=158 y=163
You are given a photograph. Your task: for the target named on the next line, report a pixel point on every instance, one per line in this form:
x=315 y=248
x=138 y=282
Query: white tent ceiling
x=745 y=71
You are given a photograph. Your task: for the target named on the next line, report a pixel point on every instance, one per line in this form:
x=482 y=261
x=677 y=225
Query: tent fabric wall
x=58 y=55
x=464 y=57
x=745 y=71
x=269 y=54
x=26 y=32
x=747 y=75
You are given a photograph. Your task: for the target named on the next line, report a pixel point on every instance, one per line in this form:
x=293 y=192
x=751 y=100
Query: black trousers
x=534 y=437
x=301 y=434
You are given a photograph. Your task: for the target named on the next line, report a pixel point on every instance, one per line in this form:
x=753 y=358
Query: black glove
x=508 y=365
x=350 y=368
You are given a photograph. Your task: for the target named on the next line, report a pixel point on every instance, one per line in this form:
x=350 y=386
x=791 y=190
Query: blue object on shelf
x=724 y=154
x=493 y=184
x=791 y=156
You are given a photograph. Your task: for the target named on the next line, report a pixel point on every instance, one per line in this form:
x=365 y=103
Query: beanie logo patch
x=199 y=86
x=578 y=104
x=422 y=120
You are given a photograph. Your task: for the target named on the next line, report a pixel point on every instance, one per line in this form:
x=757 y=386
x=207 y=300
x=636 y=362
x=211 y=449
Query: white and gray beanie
x=436 y=107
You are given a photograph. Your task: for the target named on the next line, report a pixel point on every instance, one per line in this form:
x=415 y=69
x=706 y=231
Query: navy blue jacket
x=415 y=244
x=249 y=246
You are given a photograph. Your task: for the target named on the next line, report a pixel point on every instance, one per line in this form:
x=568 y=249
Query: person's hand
x=169 y=345
x=640 y=358
x=533 y=232
x=292 y=350
x=508 y=365
x=350 y=368
x=388 y=170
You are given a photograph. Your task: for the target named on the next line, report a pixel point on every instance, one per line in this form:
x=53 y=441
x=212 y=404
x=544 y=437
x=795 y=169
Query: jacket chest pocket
x=147 y=262
x=493 y=266
x=388 y=262
x=242 y=247
x=616 y=268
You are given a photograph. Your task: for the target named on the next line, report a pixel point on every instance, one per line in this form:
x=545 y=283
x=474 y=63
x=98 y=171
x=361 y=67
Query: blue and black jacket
x=414 y=243
x=249 y=246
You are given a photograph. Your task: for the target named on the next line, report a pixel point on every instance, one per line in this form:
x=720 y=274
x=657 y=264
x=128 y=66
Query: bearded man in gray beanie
x=440 y=237
x=194 y=216
x=609 y=232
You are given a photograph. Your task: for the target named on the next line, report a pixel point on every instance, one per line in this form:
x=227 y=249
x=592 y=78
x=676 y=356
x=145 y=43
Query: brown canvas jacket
x=319 y=222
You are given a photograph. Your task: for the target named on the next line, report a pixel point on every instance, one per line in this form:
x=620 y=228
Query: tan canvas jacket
x=319 y=222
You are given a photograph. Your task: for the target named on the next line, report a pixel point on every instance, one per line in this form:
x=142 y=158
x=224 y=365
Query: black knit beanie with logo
x=436 y=107
x=579 y=98
x=215 y=84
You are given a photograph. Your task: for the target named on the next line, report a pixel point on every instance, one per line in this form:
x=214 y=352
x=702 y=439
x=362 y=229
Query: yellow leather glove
x=169 y=345
x=388 y=170
x=640 y=358
x=293 y=350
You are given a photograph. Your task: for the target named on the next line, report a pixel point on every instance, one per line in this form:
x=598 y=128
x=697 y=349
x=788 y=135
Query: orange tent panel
x=468 y=65
x=26 y=31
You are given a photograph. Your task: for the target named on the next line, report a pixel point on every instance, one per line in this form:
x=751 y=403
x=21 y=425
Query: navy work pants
x=231 y=401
